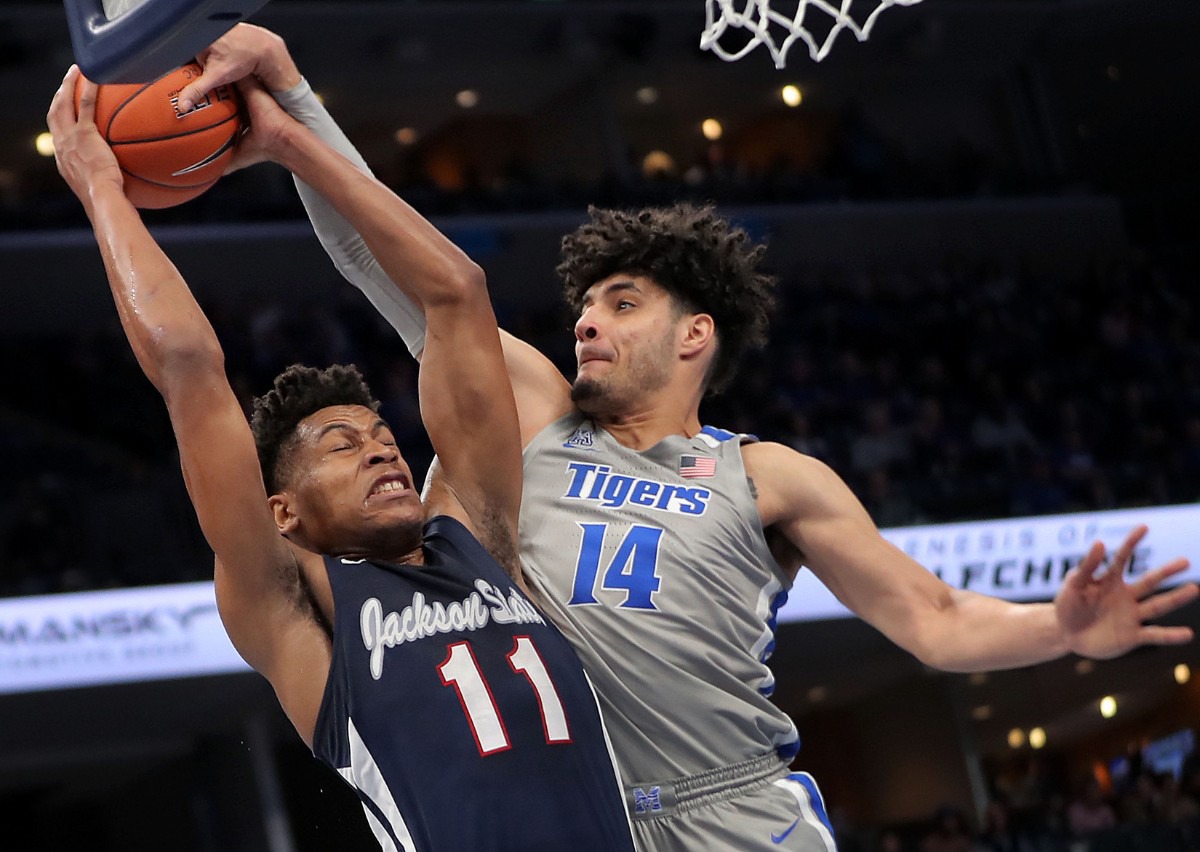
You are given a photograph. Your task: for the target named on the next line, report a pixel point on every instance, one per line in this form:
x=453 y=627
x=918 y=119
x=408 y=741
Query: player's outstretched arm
x=257 y=573
x=251 y=51
x=944 y=627
x=466 y=398
x=541 y=392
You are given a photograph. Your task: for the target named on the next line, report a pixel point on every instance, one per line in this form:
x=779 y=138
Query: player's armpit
x=285 y=641
x=542 y=393
x=260 y=573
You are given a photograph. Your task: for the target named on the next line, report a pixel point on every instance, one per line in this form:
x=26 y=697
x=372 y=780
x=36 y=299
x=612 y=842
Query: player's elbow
x=184 y=363
x=930 y=632
x=462 y=282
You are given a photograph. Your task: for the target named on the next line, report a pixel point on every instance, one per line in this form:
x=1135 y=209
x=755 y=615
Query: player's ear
x=284 y=512
x=698 y=334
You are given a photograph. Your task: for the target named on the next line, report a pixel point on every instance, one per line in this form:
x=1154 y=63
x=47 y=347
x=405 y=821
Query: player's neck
x=641 y=430
x=645 y=419
x=405 y=549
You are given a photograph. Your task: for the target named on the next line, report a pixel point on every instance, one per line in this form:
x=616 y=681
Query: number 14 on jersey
x=633 y=568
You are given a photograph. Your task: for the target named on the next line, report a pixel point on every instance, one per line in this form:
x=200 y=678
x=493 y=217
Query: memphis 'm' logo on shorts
x=645 y=802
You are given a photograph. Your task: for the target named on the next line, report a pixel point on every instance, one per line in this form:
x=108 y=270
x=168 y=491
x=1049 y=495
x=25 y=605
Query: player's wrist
x=286 y=147
x=277 y=70
x=102 y=192
x=280 y=76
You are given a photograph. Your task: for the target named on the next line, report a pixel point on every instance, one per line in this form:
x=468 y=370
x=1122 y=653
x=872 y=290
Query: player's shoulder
x=774 y=458
x=785 y=480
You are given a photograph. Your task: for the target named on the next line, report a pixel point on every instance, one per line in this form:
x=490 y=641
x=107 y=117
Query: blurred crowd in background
x=1032 y=810
x=964 y=390
x=849 y=160
x=943 y=388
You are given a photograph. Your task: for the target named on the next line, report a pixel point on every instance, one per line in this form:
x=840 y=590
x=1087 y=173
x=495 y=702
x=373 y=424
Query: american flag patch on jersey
x=695 y=467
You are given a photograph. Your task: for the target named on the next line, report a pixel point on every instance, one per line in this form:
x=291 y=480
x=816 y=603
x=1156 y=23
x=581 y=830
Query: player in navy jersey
x=663 y=548
x=396 y=632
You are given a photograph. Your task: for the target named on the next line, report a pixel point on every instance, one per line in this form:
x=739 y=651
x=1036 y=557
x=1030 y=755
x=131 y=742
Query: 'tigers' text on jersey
x=597 y=483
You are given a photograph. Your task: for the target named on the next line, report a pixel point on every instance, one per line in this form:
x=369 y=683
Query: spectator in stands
x=889 y=505
x=891 y=841
x=949 y=834
x=1000 y=834
x=1090 y=812
x=1037 y=491
x=881 y=443
x=1179 y=805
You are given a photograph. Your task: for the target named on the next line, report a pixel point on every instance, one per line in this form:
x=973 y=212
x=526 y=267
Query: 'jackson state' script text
x=421 y=619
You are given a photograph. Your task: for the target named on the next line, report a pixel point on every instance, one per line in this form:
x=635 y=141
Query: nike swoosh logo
x=779 y=838
x=225 y=146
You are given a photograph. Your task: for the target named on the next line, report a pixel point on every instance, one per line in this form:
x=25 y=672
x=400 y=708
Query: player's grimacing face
x=624 y=342
x=351 y=484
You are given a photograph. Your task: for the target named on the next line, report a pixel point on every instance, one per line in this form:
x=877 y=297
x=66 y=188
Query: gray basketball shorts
x=754 y=805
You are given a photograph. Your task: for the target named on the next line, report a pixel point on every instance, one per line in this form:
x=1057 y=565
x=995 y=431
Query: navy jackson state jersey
x=461 y=716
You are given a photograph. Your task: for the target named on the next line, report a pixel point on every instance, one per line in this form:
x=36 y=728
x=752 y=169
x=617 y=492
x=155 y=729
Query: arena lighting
x=647 y=95
x=1016 y=738
x=657 y=163
x=712 y=129
x=1037 y=738
x=1183 y=673
x=43 y=143
x=467 y=98
x=1108 y=707
x=792 y=96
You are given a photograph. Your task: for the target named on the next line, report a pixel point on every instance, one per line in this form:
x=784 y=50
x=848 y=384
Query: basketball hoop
x=779 y=32
x=135 y=41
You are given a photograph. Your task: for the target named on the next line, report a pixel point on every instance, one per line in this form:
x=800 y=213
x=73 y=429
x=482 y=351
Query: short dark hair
x=705 y=264
x=298 y=392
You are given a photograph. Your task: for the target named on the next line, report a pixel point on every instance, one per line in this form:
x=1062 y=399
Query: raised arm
x=944 y=627
x=466 y=399
x=257 y=573
x=542 y=394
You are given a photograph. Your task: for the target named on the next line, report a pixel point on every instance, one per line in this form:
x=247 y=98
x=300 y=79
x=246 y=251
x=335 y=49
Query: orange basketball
x=167 y=158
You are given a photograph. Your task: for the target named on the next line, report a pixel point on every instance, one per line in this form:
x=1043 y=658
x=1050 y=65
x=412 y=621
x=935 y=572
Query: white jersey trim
x=363 y=773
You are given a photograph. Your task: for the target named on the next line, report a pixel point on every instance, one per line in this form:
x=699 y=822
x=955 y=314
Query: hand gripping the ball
x=83 y=158
x=166 y=157
x=244 y=51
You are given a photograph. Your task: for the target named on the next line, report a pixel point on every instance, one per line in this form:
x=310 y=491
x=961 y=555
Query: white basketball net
x=779 y=31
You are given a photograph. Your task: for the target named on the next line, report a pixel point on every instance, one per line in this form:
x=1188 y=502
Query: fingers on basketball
x=168 y=157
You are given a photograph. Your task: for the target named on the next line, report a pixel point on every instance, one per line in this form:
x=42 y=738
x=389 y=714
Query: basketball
x=167 y=158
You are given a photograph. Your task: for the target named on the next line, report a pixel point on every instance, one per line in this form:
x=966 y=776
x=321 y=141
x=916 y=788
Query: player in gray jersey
x=663 y=548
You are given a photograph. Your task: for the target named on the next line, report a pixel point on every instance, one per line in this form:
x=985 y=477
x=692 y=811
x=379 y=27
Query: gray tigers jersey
x=655 y=566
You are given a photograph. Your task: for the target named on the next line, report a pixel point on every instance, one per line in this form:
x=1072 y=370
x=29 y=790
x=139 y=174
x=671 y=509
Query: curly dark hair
x=706 y=264
x=298 y=392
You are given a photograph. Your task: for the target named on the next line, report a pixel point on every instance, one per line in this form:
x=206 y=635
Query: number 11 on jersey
x=461 y=670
